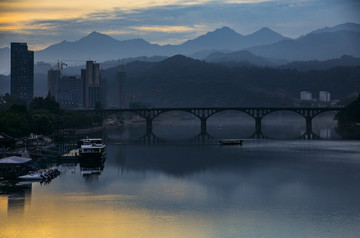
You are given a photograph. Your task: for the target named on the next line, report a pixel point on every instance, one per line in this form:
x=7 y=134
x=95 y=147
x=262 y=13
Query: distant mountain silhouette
x=323 y=44
x=183 y=81
x=314 y=46
x=238 y=58
x=102 y=47
x=5 y=60
x=96 y=46
x=346 y=60
x=227 y=39
x=342 y=27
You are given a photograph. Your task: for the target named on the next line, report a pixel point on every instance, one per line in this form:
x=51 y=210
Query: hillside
x=184 y=81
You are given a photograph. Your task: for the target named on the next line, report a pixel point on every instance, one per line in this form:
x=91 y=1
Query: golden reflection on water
x=3 y=205
x=88 y=215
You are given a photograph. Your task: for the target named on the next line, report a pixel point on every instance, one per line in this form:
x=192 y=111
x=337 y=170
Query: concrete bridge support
x=149 y=126
x=203 y=126
x=258 y=126
x=204 y=113
x=308 y=125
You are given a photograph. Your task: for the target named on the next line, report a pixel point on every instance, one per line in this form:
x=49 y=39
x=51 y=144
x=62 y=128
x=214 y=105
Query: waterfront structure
x=305 y=95
x=14 y=166
x=324 y=96
x=120 y=78
x=91 y=78
x=22 y=71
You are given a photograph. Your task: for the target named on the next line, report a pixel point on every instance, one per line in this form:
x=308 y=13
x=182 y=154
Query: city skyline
x=42 y=23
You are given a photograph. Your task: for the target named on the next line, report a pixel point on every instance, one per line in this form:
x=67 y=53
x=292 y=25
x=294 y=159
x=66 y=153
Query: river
x=264 y=188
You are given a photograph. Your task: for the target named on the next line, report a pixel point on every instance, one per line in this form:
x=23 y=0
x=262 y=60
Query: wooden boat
x=231 y=142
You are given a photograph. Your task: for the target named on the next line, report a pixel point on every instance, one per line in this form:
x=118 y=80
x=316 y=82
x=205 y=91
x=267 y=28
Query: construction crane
x=60 y=65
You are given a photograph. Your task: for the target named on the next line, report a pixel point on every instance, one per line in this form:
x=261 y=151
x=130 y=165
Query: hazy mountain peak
x=267 y=32
x=224 y=31
x=95 y=33
x=96 y=36
x=265 y=29
x=341 y=27
x=178 y=57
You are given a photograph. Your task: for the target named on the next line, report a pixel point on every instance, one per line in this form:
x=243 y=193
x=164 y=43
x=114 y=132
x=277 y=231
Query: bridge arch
x=258 y=113
x=175 y=125
x=283 y=124
x=230 y=124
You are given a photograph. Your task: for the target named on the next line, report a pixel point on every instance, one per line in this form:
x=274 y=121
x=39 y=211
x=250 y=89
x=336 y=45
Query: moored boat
x=231 y=142
x=32 y=176
x=92 y=148
x=46 y=175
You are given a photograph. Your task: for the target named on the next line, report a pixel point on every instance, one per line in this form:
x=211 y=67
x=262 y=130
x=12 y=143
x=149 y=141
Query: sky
x=41 y=23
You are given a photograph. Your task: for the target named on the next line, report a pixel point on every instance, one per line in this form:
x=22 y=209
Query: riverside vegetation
x=43 y=116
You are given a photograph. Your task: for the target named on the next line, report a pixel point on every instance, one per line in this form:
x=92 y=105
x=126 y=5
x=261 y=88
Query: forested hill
x=184 y=81
x=349 y=120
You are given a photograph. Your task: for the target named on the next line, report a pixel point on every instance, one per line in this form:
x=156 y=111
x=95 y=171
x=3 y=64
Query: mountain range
x=183 y=81
x=323 y=44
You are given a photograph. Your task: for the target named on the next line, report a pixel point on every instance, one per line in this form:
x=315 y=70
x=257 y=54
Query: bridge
x=204 y=113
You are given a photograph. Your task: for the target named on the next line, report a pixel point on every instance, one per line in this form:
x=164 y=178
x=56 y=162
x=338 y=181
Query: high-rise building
x=53 y=82
x=69 y=92
x=91 y=78
x=324 y=96
x=22 y=71
x=120 y=78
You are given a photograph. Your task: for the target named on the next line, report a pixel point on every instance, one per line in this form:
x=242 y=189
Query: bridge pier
x=203 y=126
x=149 y=126
x=308 y=125
x=204 y=113
x=258 y=126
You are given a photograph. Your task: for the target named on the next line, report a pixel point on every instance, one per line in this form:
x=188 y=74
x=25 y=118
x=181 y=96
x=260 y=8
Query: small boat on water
x=32 y=176
x=91 y=171
x=231 y=142
x=42 y=175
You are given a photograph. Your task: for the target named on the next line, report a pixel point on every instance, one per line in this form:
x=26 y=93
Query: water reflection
x=14 y=197
x=265 y=188
x=91 y=169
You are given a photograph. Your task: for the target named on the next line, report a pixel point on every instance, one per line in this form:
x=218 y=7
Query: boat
x=32 y=176
x=91 y=148
x=47 y=174
x=231 y=142
x=91 y=172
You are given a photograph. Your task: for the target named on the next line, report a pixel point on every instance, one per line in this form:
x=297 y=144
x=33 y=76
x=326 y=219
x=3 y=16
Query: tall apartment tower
x=53 y=82
x=120 y=78
x=22 y=71
x=91 y=78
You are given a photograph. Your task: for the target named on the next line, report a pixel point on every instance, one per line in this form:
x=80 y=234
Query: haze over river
x=265 y=188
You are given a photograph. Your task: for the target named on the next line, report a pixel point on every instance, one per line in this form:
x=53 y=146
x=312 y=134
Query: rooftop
x=14 y=160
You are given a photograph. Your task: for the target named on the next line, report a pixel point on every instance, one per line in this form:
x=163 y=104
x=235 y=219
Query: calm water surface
x=266 y=188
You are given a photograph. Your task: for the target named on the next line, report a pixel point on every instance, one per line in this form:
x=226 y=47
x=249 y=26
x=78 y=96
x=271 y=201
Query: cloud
x=166 y=21
x=164 y=28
